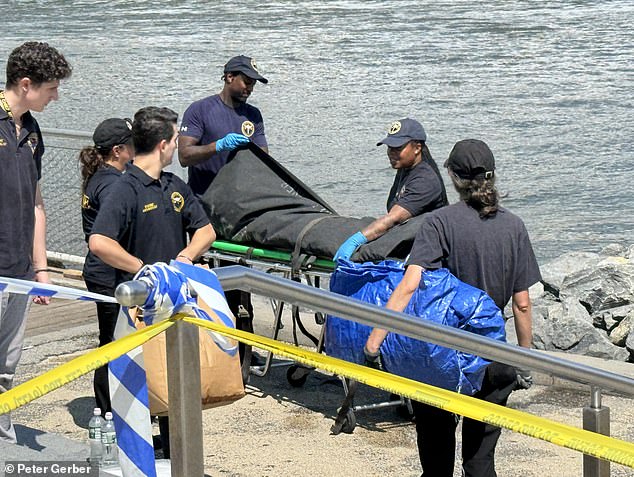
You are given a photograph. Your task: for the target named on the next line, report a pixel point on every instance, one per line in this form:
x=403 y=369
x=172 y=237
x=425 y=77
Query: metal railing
x=187 y=407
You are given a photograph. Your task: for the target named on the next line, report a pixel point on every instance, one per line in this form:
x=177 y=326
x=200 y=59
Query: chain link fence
x=61 y=190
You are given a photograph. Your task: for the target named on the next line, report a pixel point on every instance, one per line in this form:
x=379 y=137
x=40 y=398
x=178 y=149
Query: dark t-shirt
x=492 y=254
x=210 y=119
x=95 y=193
x=20 y=171
x=150 y=218
x=418 y=190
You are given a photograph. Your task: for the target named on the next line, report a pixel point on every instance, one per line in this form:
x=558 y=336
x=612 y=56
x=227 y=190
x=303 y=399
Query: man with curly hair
x=34 y=71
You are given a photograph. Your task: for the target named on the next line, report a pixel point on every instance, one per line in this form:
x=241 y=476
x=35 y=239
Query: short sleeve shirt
x=20 y=171
x=95 y=193
x=150 y=218
x=210 y=119
x=417 y=189
x=493 y=254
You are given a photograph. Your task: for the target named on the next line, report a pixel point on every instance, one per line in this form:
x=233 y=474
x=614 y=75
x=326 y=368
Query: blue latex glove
x=230 y=142
x=349 y=246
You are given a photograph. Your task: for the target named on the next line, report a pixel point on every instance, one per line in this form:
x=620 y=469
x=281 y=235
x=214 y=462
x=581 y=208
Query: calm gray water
x=547 y=84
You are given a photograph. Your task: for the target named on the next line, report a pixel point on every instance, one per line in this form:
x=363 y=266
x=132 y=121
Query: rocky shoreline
x=585 y=304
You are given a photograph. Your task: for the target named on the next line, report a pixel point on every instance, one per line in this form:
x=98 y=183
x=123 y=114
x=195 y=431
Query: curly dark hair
x=37 y=61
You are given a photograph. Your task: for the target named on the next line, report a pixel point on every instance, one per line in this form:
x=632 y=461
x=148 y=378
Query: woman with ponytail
x=485 y=246
x=101 y=166
x=418 y=187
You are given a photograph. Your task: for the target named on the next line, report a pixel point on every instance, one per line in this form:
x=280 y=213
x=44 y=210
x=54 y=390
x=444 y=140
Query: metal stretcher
x=314 y=271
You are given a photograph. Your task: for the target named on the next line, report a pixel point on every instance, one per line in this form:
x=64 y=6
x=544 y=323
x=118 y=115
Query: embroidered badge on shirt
x=248 y=128
x=85 y=202
x=2 y=142
x=149 y=207
x=177 y=201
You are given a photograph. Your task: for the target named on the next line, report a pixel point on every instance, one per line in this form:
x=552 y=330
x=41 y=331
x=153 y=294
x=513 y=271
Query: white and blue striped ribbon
x=169 y=294
x=26 y=287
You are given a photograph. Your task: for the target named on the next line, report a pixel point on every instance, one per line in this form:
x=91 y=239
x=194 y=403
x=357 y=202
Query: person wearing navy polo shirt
x=34 y=71
x=149 y=214
x=101 y=167
x=211 y=128
x=485 y=246
x=418 y=187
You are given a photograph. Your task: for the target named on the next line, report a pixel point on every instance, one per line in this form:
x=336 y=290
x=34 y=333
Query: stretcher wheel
x=297 y=375
x=349 y=423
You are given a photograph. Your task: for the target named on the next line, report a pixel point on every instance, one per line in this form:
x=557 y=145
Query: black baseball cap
x=471 y=159
x=402 y=132
x=112 y=132
x=245 y=65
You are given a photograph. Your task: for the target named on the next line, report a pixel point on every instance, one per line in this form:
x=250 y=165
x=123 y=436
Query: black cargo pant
x=436 y=430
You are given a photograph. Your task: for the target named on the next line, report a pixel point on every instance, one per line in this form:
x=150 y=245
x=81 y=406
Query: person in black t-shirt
x=485 y=246
x=101 y=166
x=418 y=187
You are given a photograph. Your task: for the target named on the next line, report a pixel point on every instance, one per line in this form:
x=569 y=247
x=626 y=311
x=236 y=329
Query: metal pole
x=185 y=410
x=255 y=281
x=596 y=419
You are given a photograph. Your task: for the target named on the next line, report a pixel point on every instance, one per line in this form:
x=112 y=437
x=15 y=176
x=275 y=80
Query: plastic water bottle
x=94 y=436
x=108 y=442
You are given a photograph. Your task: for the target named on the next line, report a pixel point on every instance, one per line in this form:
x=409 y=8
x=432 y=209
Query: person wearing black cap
x=214 y=126
x=418 y=187
x=488 y=247
x=101 y=166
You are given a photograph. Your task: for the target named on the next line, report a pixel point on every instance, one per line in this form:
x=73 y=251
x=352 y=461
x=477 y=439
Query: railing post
x=185 y=411
x=597 y=419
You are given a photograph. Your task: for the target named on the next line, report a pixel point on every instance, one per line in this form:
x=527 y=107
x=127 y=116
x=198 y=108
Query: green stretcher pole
x=267 y=254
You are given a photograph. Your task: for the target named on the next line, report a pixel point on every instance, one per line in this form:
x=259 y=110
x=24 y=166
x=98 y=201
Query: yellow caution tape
x=588 y=442
x=73 y=369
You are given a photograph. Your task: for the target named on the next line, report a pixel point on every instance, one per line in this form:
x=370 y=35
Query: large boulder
x=555 y=271
x=619 y=334
x=608 y=284
x=567 y=326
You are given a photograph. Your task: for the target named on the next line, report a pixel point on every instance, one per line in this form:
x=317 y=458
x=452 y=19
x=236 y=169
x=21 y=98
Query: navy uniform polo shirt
x=20 y=171
x=150 y=218
x=210 y=119
x=95 y=193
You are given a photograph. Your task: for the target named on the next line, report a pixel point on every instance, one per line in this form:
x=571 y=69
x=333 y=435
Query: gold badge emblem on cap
x=394 y=127
x=254 y=65
x=248 y=128
x=177 y=201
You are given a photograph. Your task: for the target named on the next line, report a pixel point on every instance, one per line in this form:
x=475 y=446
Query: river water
x=548 y=85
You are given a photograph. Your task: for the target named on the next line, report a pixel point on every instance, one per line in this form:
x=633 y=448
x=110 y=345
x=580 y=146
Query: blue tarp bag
x=440 y=298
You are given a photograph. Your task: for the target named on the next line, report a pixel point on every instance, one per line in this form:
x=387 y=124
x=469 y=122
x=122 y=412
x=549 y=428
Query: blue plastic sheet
x=440 y=298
